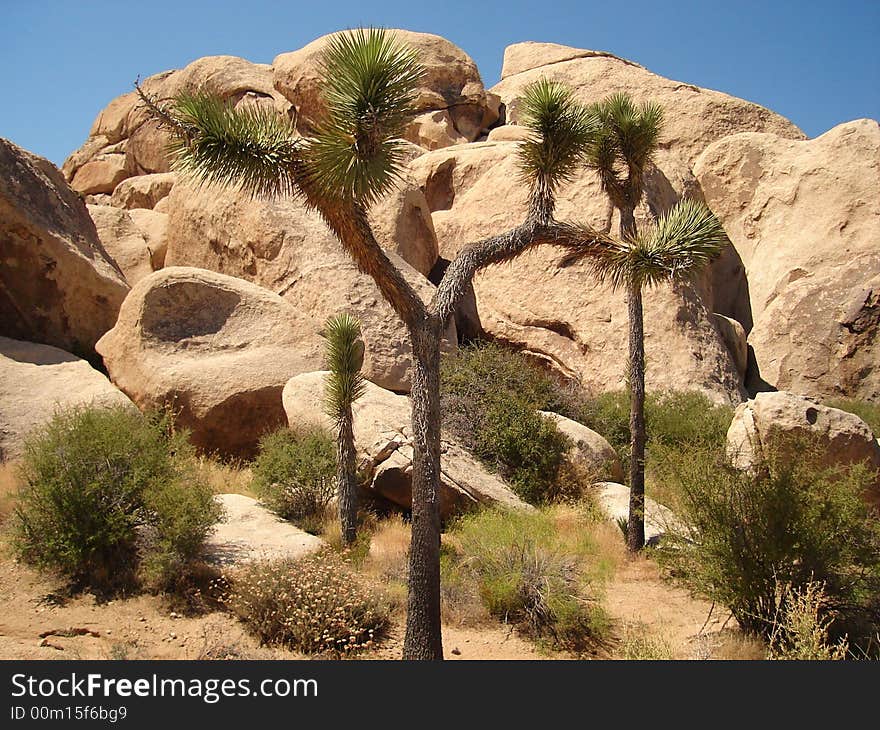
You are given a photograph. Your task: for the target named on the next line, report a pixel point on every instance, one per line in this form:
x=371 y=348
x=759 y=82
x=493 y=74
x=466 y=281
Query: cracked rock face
x=784 y=421
x=560 y=316
x=384 y=440
x=804 y=220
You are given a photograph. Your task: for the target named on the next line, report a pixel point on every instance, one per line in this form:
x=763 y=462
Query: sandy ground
x=35 y=625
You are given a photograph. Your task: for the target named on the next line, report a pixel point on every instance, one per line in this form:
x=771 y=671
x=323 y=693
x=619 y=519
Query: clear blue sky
x=61 y=61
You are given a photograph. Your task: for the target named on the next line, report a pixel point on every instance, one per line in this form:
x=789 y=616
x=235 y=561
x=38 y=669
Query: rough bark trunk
x=423 y=639
x=346 y=478
x=635 y=530
x=635 y=526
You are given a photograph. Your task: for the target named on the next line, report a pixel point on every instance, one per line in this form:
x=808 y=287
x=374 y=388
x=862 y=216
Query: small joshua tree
x=344 y=385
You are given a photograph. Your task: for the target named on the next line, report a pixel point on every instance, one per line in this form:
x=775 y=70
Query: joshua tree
x=682 y=241
x=345 y=384
x=350 y=160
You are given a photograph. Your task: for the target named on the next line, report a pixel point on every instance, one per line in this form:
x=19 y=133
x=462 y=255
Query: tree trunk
x=635 y=530
x=635 y=526
x=423 y=639
x=346 y=478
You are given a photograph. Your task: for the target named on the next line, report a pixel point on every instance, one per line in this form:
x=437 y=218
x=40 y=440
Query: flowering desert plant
x=314 y=605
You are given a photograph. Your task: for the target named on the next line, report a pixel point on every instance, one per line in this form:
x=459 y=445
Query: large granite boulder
x=58 y=286
x=36 y=381
x=451 y=86
x=786 y=423
x=803 y=275
x=215 y=349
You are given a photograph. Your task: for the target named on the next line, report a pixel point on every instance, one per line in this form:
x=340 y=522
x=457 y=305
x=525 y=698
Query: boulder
x=143 y=191
x=35 y=381
x=508 y=133
x=123 y=240
x=288 y=249
x=451 y=82
x=561 y=316
x=614 y=502
x=803 y=274
x=589 y=449
x=58 y=285
x=402 y=224
x=250 y=533
x=154 y=227
x=215 y=349
x=694 y=117
x=384 y=440
x=433 y=130
x=101 y=174
x=774 y=422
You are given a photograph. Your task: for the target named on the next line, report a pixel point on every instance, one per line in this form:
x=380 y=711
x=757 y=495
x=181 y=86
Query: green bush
x=314 y=605
x=103 y=488
x=490 y=401
x=532 y=572
x=294 y=475
x=789 y=522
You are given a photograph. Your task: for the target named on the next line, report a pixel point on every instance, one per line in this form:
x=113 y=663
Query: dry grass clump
x=536 y=570
x=315 y=605
x=800 y=630
x=637 y=644
x=224 y=477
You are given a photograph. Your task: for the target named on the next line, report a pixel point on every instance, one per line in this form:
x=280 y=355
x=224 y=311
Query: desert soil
x=36 y=624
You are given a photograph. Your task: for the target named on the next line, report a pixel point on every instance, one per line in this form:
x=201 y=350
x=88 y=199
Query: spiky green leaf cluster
x=344 y=359
x=371 y=81
x=624 y=143
x=561 y=131
x=683 y=241
x=251 y=148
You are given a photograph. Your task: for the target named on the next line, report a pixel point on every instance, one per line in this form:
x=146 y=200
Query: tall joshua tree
x=350 y=160
x=345 y=384
x=682 y=242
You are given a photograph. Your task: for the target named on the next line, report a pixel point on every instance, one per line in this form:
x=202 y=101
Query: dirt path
x=649 y=610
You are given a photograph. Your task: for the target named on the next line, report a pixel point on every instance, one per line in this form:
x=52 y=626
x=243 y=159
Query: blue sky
x=61 y=61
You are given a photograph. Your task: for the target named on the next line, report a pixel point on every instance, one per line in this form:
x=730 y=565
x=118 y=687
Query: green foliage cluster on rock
x=490 y=398
x=294 y=475
x=107 y=491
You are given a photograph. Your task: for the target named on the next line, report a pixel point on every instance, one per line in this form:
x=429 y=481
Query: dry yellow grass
x=8 y=488
x=225 y=478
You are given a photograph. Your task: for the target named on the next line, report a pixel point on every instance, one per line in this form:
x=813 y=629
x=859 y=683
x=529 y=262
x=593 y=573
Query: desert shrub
x=868 y=412
x=607 y=414
x=800 y=628
x=179 y=515
x=315 y=605
x=490 y=402
x=294 y=475
x=102 y=488
x=789 y=522
x=531 y=573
